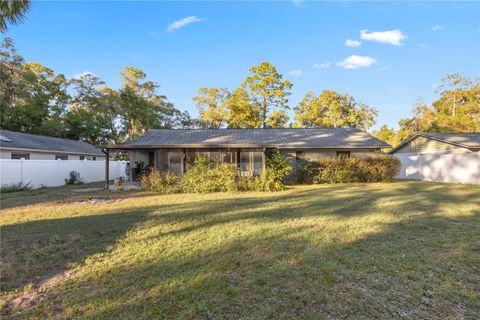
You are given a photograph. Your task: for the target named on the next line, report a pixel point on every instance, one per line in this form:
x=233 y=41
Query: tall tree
x=267 y=90
x=33 y=98
x=211 y=106
x=387 y=134
x=242 y=114
x=331 y=109
x=92 y=115
x=139 y=106
x=13 y=12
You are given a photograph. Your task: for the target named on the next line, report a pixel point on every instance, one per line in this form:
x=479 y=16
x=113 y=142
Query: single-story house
x=441 y=157
x=168 y=150
x=17 y=145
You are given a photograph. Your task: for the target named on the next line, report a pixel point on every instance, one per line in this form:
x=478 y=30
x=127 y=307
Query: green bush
x=163 y=182
x=73 y=178
x=14 y=187
x=277 y=168
x=375 y=169
x=206 y=176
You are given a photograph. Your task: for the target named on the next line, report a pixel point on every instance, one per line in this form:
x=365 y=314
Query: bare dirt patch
x=39 y=290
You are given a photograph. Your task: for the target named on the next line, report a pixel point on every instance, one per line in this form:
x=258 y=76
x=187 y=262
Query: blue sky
x=403 y=52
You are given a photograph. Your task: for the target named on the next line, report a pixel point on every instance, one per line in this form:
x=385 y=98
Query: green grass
x=403 y=250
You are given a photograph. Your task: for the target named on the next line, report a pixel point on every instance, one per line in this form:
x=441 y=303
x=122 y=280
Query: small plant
x=73 y=178
x=14 y=187
x=163 y=182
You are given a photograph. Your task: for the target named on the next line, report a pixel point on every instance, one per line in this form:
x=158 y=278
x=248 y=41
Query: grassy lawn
x=403 y=250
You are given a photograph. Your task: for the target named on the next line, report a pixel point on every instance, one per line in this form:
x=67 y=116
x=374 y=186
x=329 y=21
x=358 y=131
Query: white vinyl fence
x=450 y=168
x=53 y=172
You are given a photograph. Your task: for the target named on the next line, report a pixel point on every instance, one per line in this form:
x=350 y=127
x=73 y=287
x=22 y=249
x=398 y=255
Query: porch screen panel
x=229 y=157
x=257 y=162
x=175 y=162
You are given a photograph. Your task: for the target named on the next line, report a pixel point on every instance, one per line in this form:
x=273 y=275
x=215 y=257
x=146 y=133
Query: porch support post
x=107 y=166
x=264 y=159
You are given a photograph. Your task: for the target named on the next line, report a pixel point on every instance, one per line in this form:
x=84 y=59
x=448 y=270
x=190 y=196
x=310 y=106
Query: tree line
x=457 y=110
x=35 y=99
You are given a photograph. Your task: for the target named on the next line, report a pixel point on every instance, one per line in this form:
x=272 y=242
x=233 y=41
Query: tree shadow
x=401 y=271
x=33 y=250
x=418 y=265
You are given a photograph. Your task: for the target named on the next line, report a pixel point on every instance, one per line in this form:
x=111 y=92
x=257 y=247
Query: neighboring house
x=16 y=145
x=168 y=150
x=441 y=157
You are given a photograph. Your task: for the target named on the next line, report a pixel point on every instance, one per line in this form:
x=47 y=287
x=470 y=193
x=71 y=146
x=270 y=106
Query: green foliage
x=457 y=110
x=277 y=167
x=162 y=182
x=14 y=187
x=206 y=176
x=333 y=110
x=73 y=178
x=13 y=12
x=267 y=90
x=242 y=113
x=37 y=100
x=375 y=169
x=211 y=106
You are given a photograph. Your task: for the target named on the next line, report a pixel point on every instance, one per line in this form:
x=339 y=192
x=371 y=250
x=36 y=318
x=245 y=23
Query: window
x=175 y=162
x=61 y=157
x=82 y=157
x=229 y=157
x=25 y=156
x=300 y=155
x=94 y=158
x=251 y=162
x=343 y=154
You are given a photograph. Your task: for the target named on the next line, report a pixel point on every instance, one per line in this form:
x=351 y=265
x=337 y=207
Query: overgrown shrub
x=73 y=178
x=14 y=187
x=163 y=182
x=277 y=167
x=206 y=176
x=375 y=169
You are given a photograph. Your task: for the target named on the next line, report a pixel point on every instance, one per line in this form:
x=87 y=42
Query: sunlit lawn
x=397 y=250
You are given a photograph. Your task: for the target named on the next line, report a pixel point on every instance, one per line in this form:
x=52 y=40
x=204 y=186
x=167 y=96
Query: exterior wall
x=422 y=145
x=53 y=172
x=7 y=154
x=449 y=168
x=318 y=154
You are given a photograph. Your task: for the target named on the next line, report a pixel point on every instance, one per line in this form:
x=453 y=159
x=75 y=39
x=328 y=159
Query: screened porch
x=249 y=161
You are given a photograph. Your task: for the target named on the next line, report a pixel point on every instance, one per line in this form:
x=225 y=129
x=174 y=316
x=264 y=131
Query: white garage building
x=440 y=157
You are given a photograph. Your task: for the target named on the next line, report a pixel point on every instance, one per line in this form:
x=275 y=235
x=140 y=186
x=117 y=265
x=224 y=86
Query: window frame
x=18 y=156
x=62 y=157
x=343 y=154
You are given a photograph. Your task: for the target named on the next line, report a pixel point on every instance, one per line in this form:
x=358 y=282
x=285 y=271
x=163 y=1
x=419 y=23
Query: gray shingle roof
x=280 y=138
x=38 y=142
x=470 y=140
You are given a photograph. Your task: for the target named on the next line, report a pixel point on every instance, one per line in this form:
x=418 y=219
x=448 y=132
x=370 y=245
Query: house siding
x=423 y=145
x=7 y=154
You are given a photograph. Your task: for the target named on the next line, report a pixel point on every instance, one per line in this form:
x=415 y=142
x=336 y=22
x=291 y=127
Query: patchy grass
x=388 y=250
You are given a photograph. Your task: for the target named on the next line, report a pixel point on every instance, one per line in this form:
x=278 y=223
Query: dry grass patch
x=387 y=250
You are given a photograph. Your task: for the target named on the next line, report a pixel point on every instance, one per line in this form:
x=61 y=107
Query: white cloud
x=321 y=65
x=393 y=37
x=355 y=62
x=437 y=27
x=296 y=73
x=353 y=43
x=182 y=23
x=82 y=74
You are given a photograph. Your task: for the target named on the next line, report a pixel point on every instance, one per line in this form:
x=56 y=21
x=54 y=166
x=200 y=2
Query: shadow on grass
x=420 y=269
x=36 y=249
x=422 y=265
